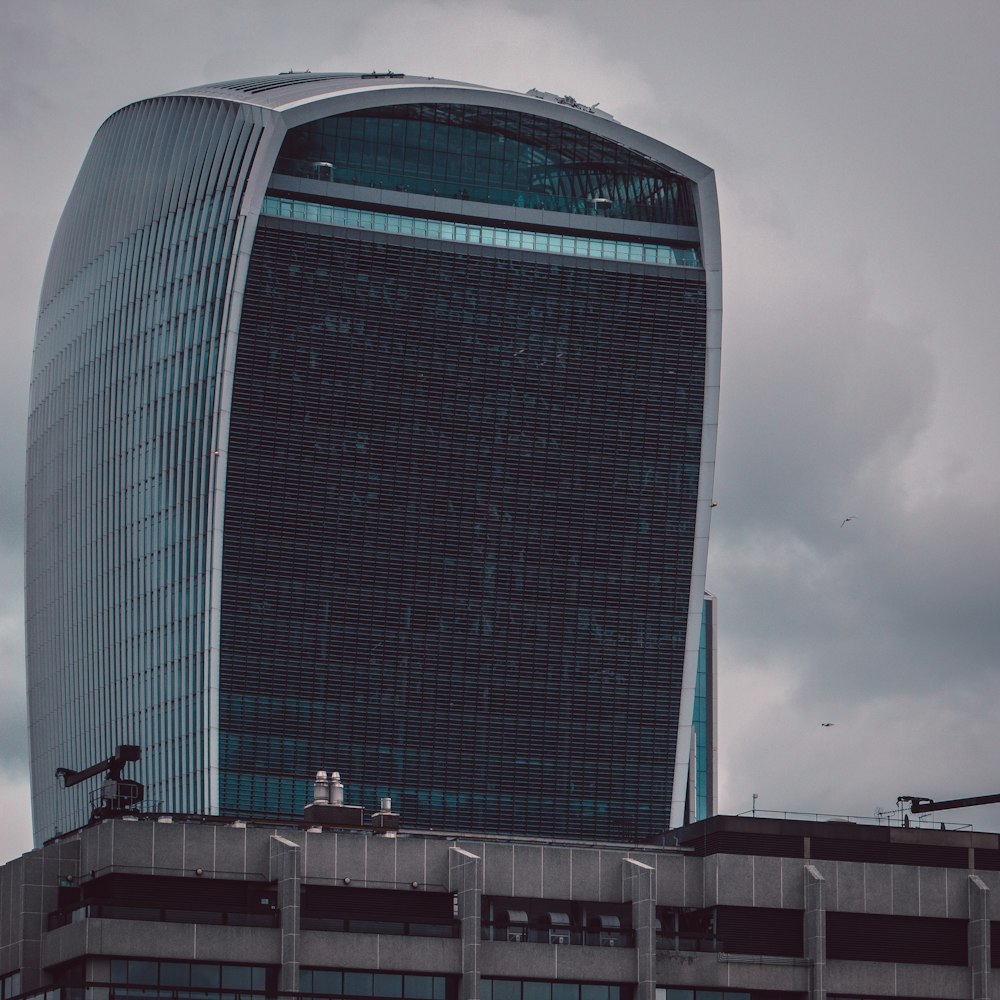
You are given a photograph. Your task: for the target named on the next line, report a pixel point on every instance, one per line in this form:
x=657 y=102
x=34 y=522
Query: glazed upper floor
x=396 y=132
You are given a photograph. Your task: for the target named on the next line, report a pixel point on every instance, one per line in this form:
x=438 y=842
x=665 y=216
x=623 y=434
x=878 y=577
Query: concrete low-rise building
x=733 y=908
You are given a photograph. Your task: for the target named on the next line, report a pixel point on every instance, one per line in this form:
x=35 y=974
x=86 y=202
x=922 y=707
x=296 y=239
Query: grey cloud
x=856 y=153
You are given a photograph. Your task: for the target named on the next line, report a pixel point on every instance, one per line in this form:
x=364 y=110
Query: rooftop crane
x=117 y=795
x=920 y=804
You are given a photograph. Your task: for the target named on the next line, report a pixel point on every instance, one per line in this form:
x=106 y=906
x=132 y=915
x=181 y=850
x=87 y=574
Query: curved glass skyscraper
x=373 y=427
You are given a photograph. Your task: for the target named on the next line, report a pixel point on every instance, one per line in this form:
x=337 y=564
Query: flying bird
x=850 y=517
x=826 y=724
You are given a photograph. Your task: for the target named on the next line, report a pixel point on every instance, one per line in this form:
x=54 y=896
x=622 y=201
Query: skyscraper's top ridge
x=261 y=84
x=278 y=89
x=282 y=89
x=308 y=84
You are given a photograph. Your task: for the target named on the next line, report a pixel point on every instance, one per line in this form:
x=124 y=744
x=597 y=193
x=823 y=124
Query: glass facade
x=460 y=509
x=135 y=978
x=492 y=155
x=663 y=993
x=704 y=715
x=120 y=466
x=411 y=495
x=539 y=989
x=408 y=986
x=494 y=236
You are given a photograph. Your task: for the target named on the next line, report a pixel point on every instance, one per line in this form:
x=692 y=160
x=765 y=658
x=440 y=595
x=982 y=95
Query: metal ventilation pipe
x=327 y=807
x=336 y=789
x=321 y=789
x=385 y=822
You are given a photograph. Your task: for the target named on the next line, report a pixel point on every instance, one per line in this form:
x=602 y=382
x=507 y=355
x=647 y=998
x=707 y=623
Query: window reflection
x=488 y=155
x=515 y=239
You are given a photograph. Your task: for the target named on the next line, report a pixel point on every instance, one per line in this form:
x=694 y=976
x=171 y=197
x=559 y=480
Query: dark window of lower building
x=347 y=983
x=987 y=859
x=685 y=928
x=10 y=985
x=887 y=852
x=749 y=930
x=995 y=944
x=378 y=911
x=540 y=989
x=180 y=980
x=667 y=993
x=861 y=996
x=157 y=897
x=877 y=937
x=663 y=993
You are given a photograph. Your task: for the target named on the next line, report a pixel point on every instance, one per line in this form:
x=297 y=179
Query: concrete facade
x=505 y=898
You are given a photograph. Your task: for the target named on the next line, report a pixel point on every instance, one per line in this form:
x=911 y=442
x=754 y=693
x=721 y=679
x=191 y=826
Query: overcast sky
x=856 y=150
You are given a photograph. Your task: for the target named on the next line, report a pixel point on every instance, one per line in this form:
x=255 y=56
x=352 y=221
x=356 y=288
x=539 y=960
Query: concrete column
x=639 y=888
x=286 y=871
x=815 y=932
x=979 y=937
x=463 y=880
x=27 y=890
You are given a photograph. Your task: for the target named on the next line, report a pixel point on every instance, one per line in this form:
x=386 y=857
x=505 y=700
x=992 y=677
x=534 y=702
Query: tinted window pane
x=175 y=974
x=205 y=975
x=506 y=989
x=325 y=981
x=537 y=991
x=142 y=973
x=358 y=983
x=420 y=988
x=387 y=985
x=236 y=977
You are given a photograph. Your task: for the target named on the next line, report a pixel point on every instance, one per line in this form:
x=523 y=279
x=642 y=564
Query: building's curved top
x=284 y=89
x=300 y=97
